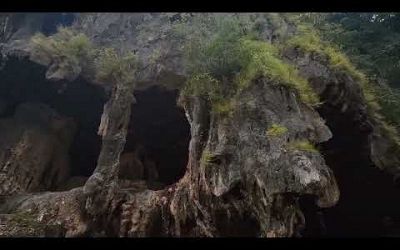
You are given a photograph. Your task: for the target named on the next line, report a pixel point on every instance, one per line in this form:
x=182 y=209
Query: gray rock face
x=60 y=212
x=150 y=36
x=242 y=141
x=236 y=172
x=247 y=171
x=34 y=149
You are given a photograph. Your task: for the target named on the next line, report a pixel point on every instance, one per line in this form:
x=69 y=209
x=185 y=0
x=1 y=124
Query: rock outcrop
x=34 y=149
x=240 y=180
x=343 y=95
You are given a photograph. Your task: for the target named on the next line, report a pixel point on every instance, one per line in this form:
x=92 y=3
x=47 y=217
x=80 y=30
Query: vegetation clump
x=73 y=53
x=302 y=145
x=110 y=67
x=261 y=59
x=206 y=158
x=376 y=97
x=70 y=50
x=276 y=130
x=224 y=63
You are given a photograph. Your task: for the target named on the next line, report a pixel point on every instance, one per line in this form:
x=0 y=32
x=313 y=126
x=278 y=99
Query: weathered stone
x=250 y=176
x=34 y=149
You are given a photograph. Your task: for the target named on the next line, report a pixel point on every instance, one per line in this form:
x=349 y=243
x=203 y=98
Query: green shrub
x=202 y=84
x=233 y=58
x=112 y=68
x=302 y=145
x=65 y=47
x=223 y=107
x=389 y=104
x=73 y=52
x=309 y=41
x=277 y=22
x=207 y=86
x=261 y=59
x=276 y=130
x=379 y=100
x=213 y=46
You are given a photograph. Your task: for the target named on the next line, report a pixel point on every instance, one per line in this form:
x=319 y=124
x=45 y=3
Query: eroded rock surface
x=239 y=180
x=243 y=162
x=34 y=149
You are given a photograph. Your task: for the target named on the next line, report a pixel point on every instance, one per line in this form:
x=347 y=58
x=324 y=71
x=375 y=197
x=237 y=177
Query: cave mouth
x=369 y=201
x=23 y=81
x=160 y=128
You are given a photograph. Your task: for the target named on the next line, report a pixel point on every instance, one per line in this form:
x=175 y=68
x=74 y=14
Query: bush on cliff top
x=261 y=59
x=70 y=49
x=110 y=67
x=308 y=40
x=378 y=99
x=233 y=57
x=65 y=46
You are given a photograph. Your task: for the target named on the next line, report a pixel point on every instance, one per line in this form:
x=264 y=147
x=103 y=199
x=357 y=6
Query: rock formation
x=34 y=149
x=240 y=180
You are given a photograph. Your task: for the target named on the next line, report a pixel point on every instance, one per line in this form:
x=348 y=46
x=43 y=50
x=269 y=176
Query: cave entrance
x=369 y=202
x=160 y=128
x=23 y=82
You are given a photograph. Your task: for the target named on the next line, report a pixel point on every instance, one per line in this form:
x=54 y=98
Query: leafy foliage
x=380 y=99
x=232 y=56
x=389 y=100
x=309 y=41
x=74 y=51
x=261 y=59
x=370 y=40
x=110 y=67
x=213 y=46
x=202 y=84
x=224 y=107
x=66 y=47
x=207 y=86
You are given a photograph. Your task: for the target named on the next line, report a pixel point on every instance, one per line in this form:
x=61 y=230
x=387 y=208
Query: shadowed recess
x=23 y=81
x=161 y=128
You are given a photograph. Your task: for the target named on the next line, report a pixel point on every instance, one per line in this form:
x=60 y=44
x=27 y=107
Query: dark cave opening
x=160 y=128
x=369 y=201
x=24 y=82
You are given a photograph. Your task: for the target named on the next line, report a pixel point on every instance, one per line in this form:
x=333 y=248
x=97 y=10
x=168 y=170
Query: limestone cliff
x=241 y=178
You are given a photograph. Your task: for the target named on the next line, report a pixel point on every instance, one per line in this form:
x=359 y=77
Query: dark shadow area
x=369 y=202
x=23 y=25
x=314 y=218
x=161 y=129
x=23 y=81
x=237 y=225
x=51 y=21
x=233 y=223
